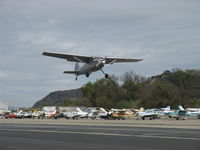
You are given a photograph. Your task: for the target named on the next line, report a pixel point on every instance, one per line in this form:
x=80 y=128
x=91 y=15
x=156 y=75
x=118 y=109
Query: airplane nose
x=103 y=61
x=100 y=62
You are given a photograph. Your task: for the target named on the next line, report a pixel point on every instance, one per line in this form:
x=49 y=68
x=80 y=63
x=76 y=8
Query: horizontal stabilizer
x=71 y=72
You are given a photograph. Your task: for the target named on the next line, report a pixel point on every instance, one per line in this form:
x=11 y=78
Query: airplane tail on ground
x=168 y=108
x=102 y=109
x=141 y=109
x=78 y=109
x=180 y=108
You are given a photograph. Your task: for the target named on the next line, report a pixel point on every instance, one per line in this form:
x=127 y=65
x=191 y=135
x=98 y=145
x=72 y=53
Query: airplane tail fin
x=180 y=108
x=102 y=109
x=141 y=109
x=78 y=109
x=77 y=67
x=168 y=108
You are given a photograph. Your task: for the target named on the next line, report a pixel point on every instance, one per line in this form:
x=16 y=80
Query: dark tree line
x=133 y=91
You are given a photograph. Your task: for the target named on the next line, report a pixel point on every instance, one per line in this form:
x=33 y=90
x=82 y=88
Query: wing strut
x=113 y=62
x=78 y=59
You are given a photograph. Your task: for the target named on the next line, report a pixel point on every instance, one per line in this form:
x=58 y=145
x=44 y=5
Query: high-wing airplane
x=90 y=64
x=150 y=113
x=75 y=114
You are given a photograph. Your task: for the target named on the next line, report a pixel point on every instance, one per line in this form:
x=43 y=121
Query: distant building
x=3 y=107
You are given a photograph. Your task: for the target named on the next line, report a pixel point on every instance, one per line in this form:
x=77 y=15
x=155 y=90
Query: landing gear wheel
x=87 y=75
x=106 y=76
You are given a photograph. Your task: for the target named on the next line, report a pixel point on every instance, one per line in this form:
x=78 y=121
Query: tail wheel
x=106 y=76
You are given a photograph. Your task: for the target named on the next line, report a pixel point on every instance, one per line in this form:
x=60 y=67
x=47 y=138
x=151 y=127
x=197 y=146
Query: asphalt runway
x=21 y=136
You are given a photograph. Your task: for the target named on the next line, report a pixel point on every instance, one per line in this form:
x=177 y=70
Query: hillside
x=58 y=97
x=133 y=91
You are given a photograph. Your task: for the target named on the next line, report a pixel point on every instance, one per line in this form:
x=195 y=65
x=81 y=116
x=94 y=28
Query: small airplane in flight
x=90 y=64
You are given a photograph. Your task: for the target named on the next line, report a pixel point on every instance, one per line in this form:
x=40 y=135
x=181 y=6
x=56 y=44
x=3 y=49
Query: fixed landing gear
x=87 y=75
x=106 y=75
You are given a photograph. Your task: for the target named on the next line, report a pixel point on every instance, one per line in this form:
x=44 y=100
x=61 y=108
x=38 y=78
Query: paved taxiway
x=84 y=134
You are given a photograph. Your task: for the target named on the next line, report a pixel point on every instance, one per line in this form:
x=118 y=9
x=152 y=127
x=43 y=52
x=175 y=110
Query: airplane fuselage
x=93 y=66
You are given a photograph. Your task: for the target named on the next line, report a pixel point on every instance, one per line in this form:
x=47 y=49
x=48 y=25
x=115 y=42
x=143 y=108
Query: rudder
x=77 y=67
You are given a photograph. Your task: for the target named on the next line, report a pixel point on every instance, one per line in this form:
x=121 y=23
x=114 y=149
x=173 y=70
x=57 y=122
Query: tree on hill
x=170 y=88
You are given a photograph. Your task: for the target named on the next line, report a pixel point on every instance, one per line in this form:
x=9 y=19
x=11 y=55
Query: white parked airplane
x=38 y=114
x=50 y=114
x=90 y=64
x=96 y=112
x=193 y=111
x=75 y=114
x=150 y=113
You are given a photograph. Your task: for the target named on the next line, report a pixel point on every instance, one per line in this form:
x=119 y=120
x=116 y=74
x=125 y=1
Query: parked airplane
x=50 y=114
x=75 y=114
x=122 y=114
x=27 y=114
x=193 y=112
x=19 y=114
x=166 y=110
x=38 y=114
x=90 y=64
x=190 y=112
x=96 y=112
x=181 y=113
x=150 y=113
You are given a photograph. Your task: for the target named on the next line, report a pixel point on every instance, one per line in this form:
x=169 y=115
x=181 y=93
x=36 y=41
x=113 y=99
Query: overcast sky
x=165 y=33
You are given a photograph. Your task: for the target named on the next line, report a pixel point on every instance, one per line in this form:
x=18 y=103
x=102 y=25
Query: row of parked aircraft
x=101 y=113
x=180 y=113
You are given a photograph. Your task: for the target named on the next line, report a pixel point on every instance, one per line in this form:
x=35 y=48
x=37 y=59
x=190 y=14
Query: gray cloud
x=165 y=34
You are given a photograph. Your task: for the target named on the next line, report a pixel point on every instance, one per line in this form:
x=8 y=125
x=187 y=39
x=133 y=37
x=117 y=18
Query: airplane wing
x=69 y=57
x=87 y=59
x=117 y=60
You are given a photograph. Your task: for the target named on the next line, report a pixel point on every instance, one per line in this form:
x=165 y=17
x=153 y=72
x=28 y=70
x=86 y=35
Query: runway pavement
x=80 y=135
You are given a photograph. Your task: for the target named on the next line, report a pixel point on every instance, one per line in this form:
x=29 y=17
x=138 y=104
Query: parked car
x=7 y=116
